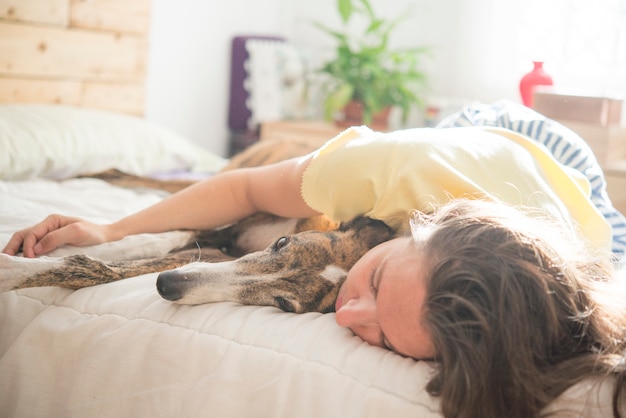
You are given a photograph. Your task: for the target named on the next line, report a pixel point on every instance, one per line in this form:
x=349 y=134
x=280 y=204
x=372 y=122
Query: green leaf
x=374 y=26
x=341 y=37
x=365 y=69
x=337 y=100
x=345 y=9
x=369 y=9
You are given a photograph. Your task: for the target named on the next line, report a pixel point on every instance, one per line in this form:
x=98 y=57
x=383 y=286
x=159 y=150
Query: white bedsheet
x=119 y=350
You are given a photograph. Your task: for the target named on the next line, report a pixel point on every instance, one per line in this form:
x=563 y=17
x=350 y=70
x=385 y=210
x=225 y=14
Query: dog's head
x=297 y=273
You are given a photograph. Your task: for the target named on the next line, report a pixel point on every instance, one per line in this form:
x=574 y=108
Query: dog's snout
x=168 y=286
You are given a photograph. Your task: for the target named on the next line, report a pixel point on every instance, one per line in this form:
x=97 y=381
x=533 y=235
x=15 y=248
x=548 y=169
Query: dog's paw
x=16 y=271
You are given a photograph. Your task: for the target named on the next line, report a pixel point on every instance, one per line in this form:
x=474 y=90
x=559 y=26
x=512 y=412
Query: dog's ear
x=367 y=230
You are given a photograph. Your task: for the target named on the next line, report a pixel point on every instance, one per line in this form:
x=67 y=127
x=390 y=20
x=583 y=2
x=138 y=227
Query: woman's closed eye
x=374 y=282
x=373 y=285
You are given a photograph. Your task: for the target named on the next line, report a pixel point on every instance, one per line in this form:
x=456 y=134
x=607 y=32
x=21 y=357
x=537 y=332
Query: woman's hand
x=217 y=201
x=53 y=232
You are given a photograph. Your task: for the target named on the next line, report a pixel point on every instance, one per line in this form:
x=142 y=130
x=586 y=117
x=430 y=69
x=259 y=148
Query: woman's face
x=382 y=297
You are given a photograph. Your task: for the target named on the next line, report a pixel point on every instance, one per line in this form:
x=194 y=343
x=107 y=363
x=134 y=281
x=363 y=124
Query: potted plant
x=365 y=73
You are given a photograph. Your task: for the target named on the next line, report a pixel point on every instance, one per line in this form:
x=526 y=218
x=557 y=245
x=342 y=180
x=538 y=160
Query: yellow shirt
x=386 y=175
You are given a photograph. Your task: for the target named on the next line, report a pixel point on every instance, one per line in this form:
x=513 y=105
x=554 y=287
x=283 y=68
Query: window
x=584 y=42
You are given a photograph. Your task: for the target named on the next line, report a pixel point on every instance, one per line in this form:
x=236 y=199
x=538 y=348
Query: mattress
x=120 y=350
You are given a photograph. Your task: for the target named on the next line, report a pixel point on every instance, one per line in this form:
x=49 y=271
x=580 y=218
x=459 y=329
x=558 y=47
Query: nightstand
x=315 y=131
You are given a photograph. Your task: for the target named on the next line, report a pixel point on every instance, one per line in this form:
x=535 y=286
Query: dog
x=298 y=273
x=296 y=265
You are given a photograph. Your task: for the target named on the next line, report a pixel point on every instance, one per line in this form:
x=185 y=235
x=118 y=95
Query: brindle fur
x=297 y=273
x=81 y=270
x=300 y=272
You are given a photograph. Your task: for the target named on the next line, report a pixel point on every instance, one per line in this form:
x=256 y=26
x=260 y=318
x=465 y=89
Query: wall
x=74 y=53
x=474 y=54
x=438 y=25
x=189 y=61
x=188 y=71
x=480 y=50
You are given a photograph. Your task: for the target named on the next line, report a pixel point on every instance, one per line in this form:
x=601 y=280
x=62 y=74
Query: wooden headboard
x=89 y=53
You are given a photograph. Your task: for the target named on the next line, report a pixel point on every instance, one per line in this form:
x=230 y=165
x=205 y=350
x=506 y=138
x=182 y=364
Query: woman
x=517 y=313
x=387 y=297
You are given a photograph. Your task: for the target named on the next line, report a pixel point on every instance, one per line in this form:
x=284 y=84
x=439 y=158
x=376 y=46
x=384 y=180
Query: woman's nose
x=356 y=312
x=360 y=317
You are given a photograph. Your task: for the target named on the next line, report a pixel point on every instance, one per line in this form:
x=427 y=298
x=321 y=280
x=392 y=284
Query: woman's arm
x=217 y=201
x=224 y=199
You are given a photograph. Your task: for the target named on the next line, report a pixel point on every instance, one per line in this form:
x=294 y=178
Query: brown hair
x=515 y=317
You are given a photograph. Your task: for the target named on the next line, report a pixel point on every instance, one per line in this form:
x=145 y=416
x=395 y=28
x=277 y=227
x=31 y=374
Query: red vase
x=537 y=77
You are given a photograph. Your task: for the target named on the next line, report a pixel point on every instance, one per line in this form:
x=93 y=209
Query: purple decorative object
x=238 y=112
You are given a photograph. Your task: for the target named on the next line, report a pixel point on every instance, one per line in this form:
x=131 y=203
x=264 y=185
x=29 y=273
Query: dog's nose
x=167 y=285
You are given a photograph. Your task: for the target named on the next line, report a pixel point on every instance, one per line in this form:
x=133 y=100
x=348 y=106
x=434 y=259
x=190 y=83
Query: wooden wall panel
x=53 y=12
x=127 y=98
x=125 y=16
x=16 y=90
x=89 y=53
x=54 y=52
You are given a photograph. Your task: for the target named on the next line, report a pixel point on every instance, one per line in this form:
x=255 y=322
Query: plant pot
x=353 y=116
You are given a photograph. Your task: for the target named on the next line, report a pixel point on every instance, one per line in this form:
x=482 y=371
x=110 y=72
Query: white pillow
x=60 y=141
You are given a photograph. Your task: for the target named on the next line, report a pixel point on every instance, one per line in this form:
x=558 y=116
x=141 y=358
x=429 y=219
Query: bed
x=119 y=349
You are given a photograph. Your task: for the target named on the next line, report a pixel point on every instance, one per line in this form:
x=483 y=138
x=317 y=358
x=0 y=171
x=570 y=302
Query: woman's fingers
x=43 y=237
x=14 y=244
